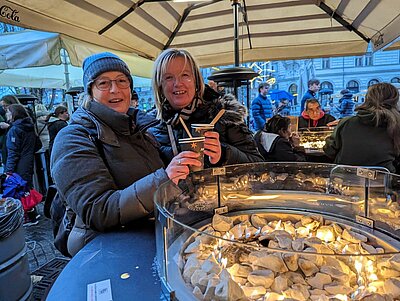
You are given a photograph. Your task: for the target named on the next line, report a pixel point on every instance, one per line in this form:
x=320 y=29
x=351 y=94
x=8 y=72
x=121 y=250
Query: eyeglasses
x=104 y=83
x=184 y=77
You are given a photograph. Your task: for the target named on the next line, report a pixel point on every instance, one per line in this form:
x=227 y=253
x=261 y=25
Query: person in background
x=313 y=88
x=41 y=120
x=213 y=85
x=180 y=93
x=372 y=136
x=5 y=102
x=313 y=116
x=21 y=138
x=276 y=142
x=347 y=104
x=261 y=107
x=397 y=86
x=134 y=99
x=105 y=164
x=283 y=108
x=57 y=121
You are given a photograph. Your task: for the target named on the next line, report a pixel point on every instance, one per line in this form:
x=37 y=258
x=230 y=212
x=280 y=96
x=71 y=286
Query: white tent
x=278 y=29
x=31 y=58
x=51 y=77
x=30 y=48
x=41 y=77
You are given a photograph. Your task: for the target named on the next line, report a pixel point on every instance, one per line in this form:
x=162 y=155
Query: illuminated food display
x=314 y=139
x=281 y=231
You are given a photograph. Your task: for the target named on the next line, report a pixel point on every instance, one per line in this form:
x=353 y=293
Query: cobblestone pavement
x=39 y=239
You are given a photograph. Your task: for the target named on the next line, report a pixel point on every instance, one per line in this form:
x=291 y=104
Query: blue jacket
x=309 y=94
x=261 y=109
x=21 y=149
x=347 y=105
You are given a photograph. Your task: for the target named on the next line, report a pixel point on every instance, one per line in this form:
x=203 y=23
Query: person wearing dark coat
x=105 y=164
x=261 y=107
x=372 y=136
x=276 y=142
x=313 y=88
x=20 y=144
x=347 y=104
x=313 y=116
x=20 y=151
x=56 y=122
x=181 y=94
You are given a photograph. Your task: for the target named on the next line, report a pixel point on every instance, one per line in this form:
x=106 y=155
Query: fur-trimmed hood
x=235 y=112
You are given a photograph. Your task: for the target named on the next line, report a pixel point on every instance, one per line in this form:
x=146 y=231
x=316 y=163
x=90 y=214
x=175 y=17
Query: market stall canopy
x=51 y=77
x=41 y=77
x=29 y=48
x=279 y=29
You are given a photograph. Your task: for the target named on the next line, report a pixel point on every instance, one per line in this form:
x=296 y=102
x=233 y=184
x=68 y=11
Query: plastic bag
x=31 y=199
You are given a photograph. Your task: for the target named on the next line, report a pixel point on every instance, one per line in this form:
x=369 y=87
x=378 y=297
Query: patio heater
x=236 y=76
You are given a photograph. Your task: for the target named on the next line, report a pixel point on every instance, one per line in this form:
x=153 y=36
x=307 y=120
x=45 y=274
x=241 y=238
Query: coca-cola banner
x=9 y=14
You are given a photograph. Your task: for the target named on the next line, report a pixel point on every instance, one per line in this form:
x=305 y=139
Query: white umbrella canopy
x=279 y=29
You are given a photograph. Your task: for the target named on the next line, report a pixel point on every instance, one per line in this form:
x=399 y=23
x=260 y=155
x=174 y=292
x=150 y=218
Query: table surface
x=109 y=256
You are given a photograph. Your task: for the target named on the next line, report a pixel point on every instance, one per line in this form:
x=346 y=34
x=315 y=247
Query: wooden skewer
x=185 y=127
x=217 y=117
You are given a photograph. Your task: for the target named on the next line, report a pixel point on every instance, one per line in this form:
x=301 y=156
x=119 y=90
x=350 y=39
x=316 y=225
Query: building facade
x=355 y=73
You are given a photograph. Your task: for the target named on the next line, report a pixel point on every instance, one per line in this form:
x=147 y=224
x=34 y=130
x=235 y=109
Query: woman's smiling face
x=114 y=97
x=178 y=83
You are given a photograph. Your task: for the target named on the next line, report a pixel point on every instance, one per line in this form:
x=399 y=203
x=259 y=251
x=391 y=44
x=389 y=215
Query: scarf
x=171 y=116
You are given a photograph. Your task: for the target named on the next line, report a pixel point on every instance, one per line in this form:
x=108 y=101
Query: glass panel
x=289 y=230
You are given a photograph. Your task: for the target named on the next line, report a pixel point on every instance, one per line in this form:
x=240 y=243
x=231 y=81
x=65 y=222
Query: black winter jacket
x=21 y=149
x=111 y=182
x=54 y=125
x=238 y=145
x=356 y=141
x=276 y=148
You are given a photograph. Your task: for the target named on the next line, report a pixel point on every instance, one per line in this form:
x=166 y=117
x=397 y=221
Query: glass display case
x=280 y=231
x=313 y=139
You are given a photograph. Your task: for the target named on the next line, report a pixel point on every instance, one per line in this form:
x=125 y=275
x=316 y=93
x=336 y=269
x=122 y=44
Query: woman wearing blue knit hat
x=105 y=164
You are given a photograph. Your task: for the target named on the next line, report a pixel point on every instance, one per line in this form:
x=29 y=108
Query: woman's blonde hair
x=160 y=66
x=381 y=100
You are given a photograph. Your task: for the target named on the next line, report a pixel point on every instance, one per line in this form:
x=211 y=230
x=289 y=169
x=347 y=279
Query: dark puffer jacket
x=110 y=192
x=347 y=105
x=356 y=141
x=54 y=125
x=21 y=149
x=238 y=145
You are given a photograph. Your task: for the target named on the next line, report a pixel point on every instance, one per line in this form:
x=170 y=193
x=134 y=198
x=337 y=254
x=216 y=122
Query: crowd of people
x=90 y=152
x=20 y=129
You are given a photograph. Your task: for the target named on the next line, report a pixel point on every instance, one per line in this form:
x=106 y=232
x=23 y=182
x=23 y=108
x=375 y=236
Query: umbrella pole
x=235 y=5
x=66 y=71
